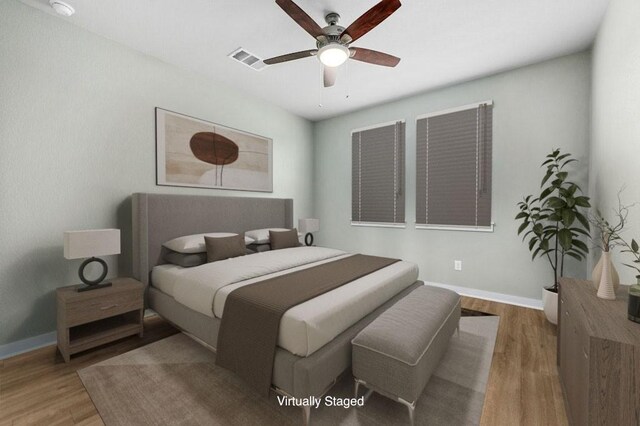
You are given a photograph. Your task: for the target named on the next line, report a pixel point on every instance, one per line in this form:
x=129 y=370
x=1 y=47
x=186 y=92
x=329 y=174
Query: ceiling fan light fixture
x=333 y=55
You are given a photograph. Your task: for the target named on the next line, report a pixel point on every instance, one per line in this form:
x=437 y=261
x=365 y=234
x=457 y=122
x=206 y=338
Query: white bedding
x=304 y=328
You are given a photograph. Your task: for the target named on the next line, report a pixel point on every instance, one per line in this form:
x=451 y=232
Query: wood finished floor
x=38 y=388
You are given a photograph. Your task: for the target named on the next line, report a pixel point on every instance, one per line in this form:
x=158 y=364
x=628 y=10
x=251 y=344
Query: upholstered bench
x=396 y=354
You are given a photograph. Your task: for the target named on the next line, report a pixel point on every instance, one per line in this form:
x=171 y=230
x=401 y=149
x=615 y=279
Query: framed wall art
x=197 y=153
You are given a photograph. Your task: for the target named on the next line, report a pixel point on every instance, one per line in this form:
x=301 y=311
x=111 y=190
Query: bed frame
x=160 y=217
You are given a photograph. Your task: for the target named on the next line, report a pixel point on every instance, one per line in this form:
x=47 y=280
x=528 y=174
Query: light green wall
x=615 y=143
x=77 y=138
x=536 y=108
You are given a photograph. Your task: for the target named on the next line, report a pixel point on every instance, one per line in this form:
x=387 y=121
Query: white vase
x=596 y=276
x=550 y=304
x=605 y=289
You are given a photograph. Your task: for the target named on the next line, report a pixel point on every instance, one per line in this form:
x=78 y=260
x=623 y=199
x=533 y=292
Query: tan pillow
x=220 y=248
x=283 y=239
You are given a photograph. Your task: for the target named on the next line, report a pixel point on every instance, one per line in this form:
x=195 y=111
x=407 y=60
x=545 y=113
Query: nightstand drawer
x=83 y=311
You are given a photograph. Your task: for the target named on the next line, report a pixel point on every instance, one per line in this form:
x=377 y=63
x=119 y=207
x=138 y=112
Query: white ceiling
x=440 y=42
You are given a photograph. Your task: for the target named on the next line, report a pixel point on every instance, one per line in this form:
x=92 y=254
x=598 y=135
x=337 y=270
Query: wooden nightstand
x=92 y=318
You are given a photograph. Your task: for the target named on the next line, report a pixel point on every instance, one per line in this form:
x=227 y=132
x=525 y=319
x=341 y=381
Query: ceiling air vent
x=248 y=59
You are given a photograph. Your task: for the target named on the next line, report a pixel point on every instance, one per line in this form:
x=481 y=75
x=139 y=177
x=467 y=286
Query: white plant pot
x=550 y=304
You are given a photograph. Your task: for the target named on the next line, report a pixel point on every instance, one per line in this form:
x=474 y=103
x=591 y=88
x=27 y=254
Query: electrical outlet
x=457 y=265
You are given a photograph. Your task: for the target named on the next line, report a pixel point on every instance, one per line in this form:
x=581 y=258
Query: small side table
x=92 y=318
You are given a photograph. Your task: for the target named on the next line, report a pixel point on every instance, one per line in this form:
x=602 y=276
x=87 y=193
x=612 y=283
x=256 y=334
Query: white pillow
x=261 y=236
x=195 y=243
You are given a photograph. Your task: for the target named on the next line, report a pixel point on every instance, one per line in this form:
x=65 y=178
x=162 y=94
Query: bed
x=314 y=342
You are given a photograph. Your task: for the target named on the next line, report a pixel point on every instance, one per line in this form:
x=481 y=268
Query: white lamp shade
x=91 y=243
x=308 y=225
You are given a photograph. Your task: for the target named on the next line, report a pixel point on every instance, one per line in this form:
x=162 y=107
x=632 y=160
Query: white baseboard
x=26 y=345
x=494 y=297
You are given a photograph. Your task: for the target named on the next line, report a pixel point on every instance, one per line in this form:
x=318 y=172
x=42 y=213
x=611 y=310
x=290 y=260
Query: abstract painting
x=198 y=153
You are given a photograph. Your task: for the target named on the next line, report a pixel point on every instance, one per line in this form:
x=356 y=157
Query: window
x=453 y=170
x=377 y=175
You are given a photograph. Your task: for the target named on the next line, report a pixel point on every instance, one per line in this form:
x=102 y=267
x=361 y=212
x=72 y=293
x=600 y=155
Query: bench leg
x=411 y=406
x=306 y=415
x=357 y=388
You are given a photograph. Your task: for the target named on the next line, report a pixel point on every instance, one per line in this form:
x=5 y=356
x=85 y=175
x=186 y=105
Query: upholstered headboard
x=157 y=218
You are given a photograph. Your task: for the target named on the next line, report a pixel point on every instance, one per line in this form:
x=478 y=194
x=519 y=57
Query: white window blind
x=453 y=167
x=377 y=175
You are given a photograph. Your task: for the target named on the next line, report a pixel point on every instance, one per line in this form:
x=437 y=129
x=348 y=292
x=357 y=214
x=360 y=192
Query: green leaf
x=583 y=220
x=571 y=160
x=532 y=242
x=581 y=231
x=582 y=201
x=545 y=193
x=523 y=226
x=574 y=255
x=631 y=266
x=568 y=217
x=570 y=201
x=544 y=244
x=634 y=246
x=556 y=202
x=546 y=177
x=537 y=229
x=563 y=156
x=565 y=238
x=535 y=253
x=581 y=245
x=522 y=215
x=550 y=160
x=561 y=176
x=555 y=217
x=572 y=189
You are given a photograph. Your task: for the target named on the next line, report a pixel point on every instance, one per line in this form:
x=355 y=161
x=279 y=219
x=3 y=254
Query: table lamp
x=90 y=244
x=307 y=226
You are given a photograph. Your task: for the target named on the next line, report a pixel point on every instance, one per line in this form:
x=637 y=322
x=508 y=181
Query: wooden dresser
x=598 y=356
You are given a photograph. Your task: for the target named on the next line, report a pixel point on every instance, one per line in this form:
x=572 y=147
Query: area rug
x=175 y=381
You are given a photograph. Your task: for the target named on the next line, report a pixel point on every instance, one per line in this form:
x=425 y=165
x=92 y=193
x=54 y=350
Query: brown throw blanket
x=251 y=318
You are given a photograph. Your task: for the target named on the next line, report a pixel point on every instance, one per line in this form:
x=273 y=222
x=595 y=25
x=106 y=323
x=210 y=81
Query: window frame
x=371 y=224
x=464 y=228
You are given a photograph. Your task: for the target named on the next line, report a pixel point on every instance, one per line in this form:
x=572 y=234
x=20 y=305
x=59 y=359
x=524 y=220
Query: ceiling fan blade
x=329 y=76
x=290 y=57
x=374 y=57
x=301 y=17
x=369 y=20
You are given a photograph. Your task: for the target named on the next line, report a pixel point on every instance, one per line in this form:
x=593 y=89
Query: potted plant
x=553 y=223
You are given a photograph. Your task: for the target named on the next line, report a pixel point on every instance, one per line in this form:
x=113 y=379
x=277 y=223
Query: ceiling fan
x=333 y=41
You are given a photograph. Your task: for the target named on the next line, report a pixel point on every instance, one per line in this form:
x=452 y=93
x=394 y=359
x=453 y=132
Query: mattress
x=304 y=328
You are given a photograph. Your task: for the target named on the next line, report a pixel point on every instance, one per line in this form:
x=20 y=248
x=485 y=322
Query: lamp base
x=308 y=239
x=92 y=287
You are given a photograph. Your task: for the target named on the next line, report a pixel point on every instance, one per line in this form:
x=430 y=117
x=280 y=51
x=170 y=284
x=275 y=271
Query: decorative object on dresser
x=606 y=289
x=598 y=356
x=554 y=223
x=197 y=153
x=89 y=319
x=90 y=244
x=307 y=227
x=607 y=239
x=610 y=237
x=633 y=308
